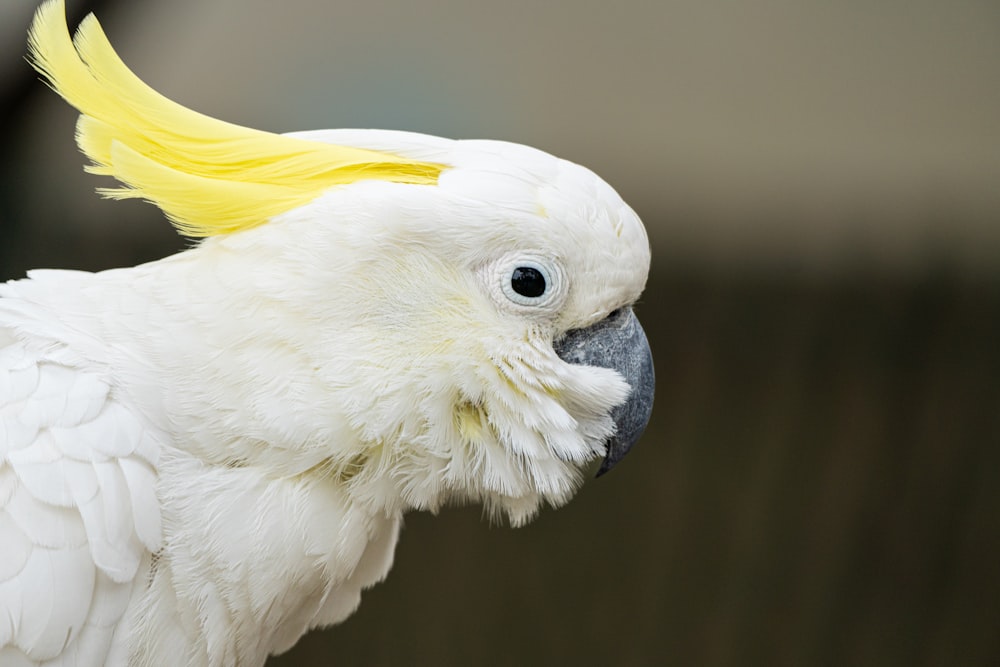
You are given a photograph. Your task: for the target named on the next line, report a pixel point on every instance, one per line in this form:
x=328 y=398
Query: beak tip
x=619 y=445
x=606 y=466
x=619 y=343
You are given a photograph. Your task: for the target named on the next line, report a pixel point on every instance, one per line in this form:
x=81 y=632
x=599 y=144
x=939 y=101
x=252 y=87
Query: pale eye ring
x=530 y=281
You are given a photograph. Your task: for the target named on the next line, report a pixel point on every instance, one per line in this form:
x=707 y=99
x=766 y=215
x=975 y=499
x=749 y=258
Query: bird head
x=461 y=308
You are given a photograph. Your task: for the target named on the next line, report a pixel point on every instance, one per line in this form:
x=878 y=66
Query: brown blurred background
x=821 y=184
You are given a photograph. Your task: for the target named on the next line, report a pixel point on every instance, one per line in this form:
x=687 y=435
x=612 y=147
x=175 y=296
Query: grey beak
x=619 y=343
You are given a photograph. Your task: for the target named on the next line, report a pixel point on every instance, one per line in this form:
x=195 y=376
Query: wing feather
x=79 y=514
x=8 y=483
x=16 y=549
x=51 y=617
x=119 y=560
x=17 y=382
x=12 y=657
x=6 y=625
x=45 y=525
x=118 y=525
x=15 y=432
x=141 y=481
x=57 y=482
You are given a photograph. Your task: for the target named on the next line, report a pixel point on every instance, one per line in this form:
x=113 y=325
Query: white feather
x=55 y=527
x=17 y=382
x=15 y=433
x=15 y=551
x=141 y=482
x=211 y=454
x=13 y=657
x=46 y=525
x=51 y=615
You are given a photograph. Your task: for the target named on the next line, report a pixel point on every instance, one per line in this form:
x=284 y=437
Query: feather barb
x=208 y=176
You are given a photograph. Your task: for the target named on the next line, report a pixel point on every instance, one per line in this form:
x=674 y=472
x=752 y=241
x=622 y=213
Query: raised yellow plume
x=209 y=177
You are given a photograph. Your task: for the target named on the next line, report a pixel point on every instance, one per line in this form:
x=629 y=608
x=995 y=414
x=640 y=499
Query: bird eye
x=528 y=281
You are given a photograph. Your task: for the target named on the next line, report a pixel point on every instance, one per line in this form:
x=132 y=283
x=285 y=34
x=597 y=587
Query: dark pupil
x=527 y=281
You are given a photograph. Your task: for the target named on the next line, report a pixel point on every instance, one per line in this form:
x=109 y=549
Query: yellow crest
x=209 y=177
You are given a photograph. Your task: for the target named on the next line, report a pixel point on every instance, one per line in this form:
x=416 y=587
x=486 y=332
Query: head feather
x=208 y=176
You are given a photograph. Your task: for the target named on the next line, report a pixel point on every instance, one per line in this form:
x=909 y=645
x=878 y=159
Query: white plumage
x=78 y=507
x=203 y=457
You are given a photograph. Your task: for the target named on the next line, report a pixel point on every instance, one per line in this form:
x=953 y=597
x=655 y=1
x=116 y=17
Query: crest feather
x=208 y=176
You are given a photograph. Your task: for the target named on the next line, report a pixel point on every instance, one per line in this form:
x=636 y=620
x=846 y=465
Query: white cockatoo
x=203 y=457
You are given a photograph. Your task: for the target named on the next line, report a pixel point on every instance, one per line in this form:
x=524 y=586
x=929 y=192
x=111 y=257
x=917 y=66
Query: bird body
x=205 y=456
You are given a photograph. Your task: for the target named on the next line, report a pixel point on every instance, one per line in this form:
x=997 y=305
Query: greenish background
x=821 y=184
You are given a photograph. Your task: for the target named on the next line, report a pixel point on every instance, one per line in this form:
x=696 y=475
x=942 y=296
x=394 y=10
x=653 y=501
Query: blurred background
x=820 y=484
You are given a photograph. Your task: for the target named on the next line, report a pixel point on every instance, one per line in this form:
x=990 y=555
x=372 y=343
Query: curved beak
x=619 y=343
